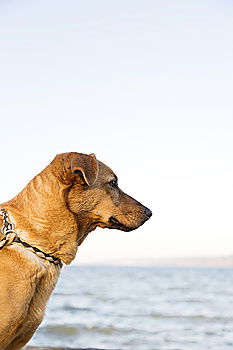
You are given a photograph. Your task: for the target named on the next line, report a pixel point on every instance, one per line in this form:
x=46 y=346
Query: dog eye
x=113 y=182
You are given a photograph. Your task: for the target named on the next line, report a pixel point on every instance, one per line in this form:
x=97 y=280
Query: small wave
x=65 y=330
x=109 y=330
x=102 y=330
x=65 y=294
x=194 y=317
x=193 y=300
x=75 y=308
x=61 y=330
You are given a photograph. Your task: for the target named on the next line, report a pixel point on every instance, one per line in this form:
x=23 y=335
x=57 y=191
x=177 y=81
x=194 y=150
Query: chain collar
x=11 y=236
x=7 y=225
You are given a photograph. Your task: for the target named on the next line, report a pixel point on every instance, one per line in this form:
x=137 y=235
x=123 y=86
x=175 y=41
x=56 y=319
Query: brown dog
x=52 y=216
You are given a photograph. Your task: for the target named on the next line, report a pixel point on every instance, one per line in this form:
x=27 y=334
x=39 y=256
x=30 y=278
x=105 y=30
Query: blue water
x=140 y=308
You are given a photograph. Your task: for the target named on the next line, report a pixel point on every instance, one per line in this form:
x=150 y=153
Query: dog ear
x=75 y=167
x=86 y=164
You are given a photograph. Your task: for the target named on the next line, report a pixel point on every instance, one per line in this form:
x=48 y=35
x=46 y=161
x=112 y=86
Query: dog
x=42 y=228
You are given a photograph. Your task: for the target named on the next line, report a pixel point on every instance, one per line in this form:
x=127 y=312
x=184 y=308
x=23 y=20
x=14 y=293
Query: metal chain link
x=7 y=230
x=7 y=225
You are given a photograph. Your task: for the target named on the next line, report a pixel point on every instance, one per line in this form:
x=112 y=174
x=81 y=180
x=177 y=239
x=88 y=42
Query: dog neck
x=41 y=217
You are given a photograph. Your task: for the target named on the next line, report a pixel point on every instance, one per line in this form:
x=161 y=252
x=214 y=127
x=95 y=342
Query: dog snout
x=148 y=213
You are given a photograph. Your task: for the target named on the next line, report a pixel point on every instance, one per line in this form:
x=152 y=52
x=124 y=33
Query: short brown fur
x=73 y=195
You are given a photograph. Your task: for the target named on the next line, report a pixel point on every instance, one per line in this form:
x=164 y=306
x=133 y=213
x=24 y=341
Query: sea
x=140 y=308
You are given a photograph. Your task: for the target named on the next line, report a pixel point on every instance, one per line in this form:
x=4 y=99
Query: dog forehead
x=105 y=173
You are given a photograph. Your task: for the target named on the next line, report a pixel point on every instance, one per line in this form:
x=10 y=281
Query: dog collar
x=11 y=236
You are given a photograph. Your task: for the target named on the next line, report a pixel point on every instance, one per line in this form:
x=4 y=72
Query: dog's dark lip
x=114 y=221
x=115 y=224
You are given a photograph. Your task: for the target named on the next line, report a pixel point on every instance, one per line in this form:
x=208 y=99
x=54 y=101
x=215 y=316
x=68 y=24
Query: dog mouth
x=115 y=224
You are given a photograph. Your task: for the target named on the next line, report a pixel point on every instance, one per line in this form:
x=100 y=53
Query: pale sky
x=145 y=85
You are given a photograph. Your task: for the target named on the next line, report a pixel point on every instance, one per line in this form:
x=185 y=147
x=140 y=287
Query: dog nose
x=148 y=212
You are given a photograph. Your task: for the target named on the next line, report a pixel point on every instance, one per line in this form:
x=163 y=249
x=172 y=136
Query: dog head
x=93 y=195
